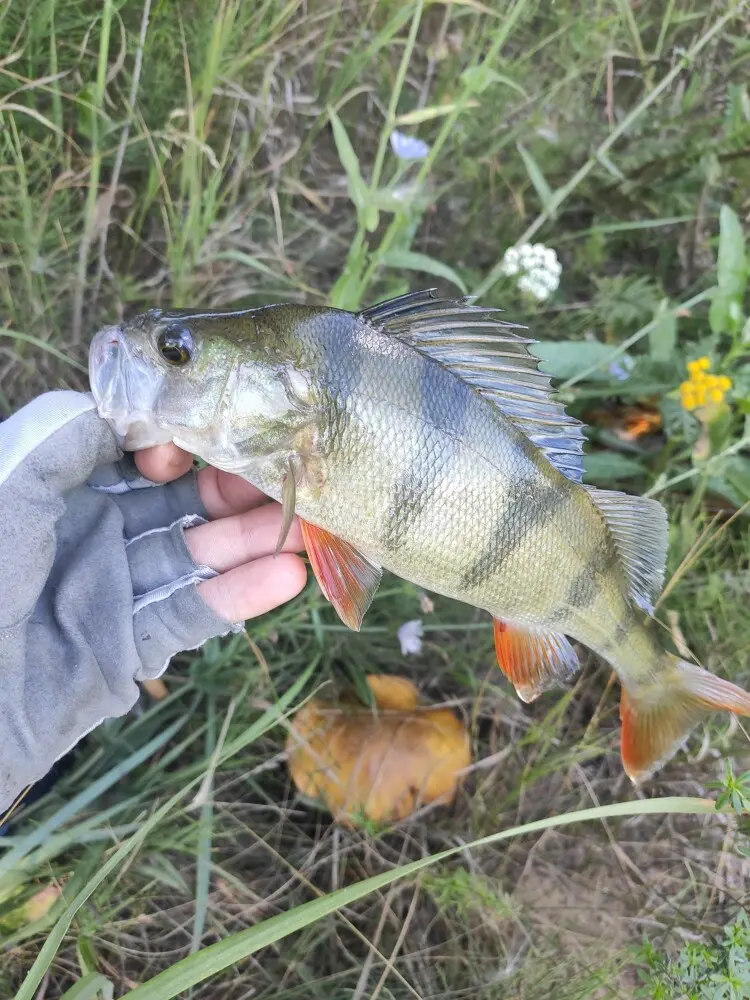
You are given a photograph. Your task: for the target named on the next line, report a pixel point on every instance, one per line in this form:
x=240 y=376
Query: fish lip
x=106 y=378
x=113 y=374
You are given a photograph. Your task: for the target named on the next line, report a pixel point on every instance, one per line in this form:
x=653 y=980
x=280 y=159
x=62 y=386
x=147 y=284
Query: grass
x=228 y=153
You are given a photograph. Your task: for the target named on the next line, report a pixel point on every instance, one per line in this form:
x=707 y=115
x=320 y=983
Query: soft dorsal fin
x=640 y=529
x=478 y=348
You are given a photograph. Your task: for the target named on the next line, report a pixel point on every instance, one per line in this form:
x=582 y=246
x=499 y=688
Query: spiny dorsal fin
x=478 y=348
x=640 y=530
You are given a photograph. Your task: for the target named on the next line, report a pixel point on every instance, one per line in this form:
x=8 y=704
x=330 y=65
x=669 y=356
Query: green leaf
x=732 y=480
x=478 y=78
x=216 y=957
x=610 y=467
x=718 y=313
x=91 y=987
x=409 y=261
x=732 y=265
x=663 y=335
x=349 y=161
x=536 y=177
x=564 y=359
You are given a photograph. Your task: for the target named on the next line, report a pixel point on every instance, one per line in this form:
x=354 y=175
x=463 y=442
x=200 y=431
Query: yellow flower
x=702 y=388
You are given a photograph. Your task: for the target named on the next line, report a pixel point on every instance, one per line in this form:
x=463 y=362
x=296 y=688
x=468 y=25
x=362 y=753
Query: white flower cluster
x=538 y=266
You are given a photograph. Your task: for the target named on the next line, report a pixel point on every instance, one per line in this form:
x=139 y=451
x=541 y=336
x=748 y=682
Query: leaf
x=349 y=161
x=377 y=766
x=92 y=986
x=718 y=313
x=478 y=78
x=237 y=947
x=663 y=335
x=610 y=467
x=732 y=265
x=436 y=111
x=410 y=261
x=536 y=177
x=564 y=359
x=732 y=480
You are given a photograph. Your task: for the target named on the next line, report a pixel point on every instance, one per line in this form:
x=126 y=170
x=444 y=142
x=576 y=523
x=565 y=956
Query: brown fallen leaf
x=378 y=766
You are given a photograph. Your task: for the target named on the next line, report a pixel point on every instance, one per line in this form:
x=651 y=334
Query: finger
x=232 y=541
x=163 y=462
x=223 y=494
x=256 y=587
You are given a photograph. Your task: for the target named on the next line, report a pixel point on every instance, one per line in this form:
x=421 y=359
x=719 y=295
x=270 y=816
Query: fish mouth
x=124 y=389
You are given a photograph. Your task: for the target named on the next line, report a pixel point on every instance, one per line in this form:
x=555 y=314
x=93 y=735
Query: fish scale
x=420 y=436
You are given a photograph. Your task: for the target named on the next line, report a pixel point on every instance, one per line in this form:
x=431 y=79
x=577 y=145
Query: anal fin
x=533 y=661
x=346 y=577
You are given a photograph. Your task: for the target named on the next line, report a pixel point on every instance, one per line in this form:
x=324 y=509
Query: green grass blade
x=537 y=178
x=39 y=835
x=407 y=260
x=90 y=987
x=48 y=950
x=237 y=947
x=26 y=338
x=205 y=840
x=349 y=161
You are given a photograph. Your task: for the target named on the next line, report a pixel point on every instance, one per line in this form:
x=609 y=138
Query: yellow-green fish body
x=420 y=437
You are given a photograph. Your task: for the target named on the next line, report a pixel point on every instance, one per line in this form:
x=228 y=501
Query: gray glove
x=97 y=587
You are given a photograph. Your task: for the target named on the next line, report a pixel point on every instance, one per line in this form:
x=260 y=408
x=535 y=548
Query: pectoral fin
x=288 y=503
x=346 y=577
x=533 y=661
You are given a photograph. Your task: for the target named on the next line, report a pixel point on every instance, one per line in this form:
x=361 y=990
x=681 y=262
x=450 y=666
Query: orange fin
x=346 y=577
x=533 y=661
x=656 y=724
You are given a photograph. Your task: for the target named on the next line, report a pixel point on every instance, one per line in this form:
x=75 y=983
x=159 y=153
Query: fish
x=420 y=436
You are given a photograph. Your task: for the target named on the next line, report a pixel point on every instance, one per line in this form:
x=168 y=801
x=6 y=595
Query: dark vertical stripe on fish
x=586 y=586
x=624 y=628
x=408 y=499
x=444 y=405
x=445 y=400
x=341 y=363
x=520 y=514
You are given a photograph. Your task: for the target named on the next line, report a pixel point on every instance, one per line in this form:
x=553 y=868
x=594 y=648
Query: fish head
x=205 y=381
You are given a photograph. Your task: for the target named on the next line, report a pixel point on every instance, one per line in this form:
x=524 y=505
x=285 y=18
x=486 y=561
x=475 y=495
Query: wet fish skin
x=423 y=444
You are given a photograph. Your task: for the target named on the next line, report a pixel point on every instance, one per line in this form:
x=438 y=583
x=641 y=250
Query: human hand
x=239 y=540
x=104 y=575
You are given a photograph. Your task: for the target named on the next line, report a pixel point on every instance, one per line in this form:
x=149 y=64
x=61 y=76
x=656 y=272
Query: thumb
x=48 y=448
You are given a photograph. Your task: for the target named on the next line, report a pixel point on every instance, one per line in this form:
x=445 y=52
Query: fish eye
x=176 y=345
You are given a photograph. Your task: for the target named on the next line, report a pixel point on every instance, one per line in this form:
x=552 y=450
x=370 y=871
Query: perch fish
x=420 y=436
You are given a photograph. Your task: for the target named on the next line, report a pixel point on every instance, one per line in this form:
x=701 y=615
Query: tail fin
x=657 y=723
